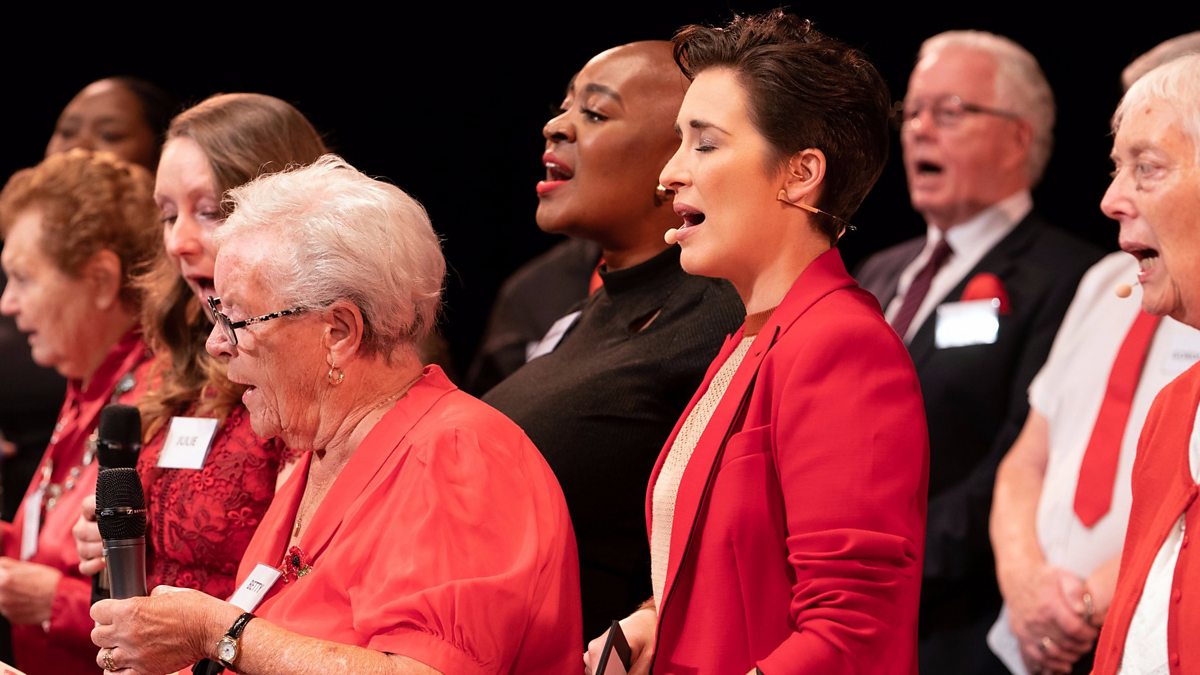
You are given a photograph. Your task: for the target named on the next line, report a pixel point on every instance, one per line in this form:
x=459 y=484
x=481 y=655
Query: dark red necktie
x=919 y=287
x=1098 y=472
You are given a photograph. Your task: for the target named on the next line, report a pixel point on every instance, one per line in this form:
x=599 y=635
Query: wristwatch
x=229 y=646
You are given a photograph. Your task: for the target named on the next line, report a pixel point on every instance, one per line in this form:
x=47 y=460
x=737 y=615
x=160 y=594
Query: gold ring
x=1046 y=643
x=1089 y=608
x=108 y=662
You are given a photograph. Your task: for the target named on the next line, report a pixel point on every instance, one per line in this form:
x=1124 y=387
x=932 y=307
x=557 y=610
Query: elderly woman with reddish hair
x=76 y=229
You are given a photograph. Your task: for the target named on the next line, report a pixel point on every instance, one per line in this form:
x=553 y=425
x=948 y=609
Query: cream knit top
x=666 y=488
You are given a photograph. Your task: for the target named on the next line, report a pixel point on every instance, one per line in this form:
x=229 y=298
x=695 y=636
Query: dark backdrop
x=449 y=103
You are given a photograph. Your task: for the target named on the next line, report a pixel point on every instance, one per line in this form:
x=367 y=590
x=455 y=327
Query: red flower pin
x=296 y=564
x=985 y=286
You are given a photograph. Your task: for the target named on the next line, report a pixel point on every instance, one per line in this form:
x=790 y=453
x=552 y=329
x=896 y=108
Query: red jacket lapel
x=823 y=275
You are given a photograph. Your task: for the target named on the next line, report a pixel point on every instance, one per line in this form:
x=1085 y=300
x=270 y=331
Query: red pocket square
x=986 y=286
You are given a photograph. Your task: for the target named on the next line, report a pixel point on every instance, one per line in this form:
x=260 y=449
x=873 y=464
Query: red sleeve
x=481 y=559
x=851 y=451
x=70 y=618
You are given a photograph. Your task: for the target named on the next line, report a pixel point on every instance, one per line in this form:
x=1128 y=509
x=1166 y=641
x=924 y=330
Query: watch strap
x=235 y=631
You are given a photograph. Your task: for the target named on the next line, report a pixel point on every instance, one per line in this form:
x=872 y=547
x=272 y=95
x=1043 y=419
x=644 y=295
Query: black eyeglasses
x=229 y=326
x=947 y=111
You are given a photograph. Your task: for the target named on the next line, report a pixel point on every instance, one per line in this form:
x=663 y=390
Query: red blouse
x=445 y=538
x=200 y=521
x=64 y=645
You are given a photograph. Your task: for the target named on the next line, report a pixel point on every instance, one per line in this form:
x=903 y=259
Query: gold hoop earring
x=335 y=380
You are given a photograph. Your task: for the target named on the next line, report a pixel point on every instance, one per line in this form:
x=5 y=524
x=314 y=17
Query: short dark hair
x=158 y=107
x=805 y=90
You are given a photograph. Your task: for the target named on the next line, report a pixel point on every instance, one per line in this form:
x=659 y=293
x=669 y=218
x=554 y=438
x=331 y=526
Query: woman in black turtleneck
x=602 y=400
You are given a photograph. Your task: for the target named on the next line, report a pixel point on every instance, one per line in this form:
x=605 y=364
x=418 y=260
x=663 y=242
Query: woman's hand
x=170 y=630
x=87 y=539
x=27 y=591
x=639 y=633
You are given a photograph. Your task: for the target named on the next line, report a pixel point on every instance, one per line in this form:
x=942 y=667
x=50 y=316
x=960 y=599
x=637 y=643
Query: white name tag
x=255 y=587
x=1185 y=351
x=975 y=322
x=32 y=523
x=552 y=337
x=188 y=442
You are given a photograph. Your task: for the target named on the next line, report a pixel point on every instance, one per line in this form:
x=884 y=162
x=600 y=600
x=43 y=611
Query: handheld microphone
x=121 y=514
x=119 y=436
x=118 y=442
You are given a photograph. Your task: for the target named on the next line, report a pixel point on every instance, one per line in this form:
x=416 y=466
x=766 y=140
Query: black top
x=528 y=303
x=601 y=406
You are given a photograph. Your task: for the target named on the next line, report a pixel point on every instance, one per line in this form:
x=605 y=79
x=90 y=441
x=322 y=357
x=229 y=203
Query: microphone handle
x=127 y=567
x=100 y=586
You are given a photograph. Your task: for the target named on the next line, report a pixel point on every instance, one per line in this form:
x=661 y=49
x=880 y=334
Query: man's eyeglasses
x=947 y=111
x=230 y=326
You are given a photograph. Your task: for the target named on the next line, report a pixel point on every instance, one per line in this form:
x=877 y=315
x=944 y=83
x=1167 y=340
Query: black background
x=449 y=103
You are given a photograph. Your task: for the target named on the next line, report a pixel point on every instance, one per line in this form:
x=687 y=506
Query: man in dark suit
x=978 y=300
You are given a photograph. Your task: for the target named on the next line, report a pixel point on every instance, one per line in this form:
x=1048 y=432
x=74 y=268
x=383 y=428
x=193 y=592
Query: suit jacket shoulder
x=881 y=272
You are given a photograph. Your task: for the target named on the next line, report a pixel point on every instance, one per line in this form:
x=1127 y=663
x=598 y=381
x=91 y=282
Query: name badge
x=553 y=336
x=974 y=322
x=1185 y=351
x=188 y=442
x=255 y=587
x=32 y=523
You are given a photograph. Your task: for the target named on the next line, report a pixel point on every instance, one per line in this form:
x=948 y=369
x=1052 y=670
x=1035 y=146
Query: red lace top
x=200 y=521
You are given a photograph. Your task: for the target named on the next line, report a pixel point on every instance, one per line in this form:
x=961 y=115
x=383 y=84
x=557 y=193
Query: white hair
x=1176 y=83
x=1021 y=86
x=1167 y=50
x=339 y=234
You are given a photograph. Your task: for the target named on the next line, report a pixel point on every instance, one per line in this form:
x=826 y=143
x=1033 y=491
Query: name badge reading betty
x=974 y=322
x=252 y=591
x=188 y=442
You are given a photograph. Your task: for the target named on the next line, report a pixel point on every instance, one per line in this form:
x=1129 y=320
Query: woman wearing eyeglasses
x=424 y=532
x=202 y=506
x=786 y=512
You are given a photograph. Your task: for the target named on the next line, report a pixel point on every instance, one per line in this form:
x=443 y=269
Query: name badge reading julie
x=188 y=442
x=974 y=322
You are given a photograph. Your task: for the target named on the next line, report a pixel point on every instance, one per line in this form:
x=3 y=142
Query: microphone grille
x=120 y=504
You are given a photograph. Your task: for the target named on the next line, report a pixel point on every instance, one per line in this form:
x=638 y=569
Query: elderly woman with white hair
x=423 y=532
x=1155 y=196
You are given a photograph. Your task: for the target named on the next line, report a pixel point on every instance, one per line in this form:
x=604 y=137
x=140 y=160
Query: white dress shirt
x=1068 y=392
x=970 y=241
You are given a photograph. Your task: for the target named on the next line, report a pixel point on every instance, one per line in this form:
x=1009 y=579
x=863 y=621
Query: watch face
x=227 y=649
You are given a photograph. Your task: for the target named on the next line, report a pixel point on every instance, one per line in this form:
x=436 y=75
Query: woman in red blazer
x=786 y=512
